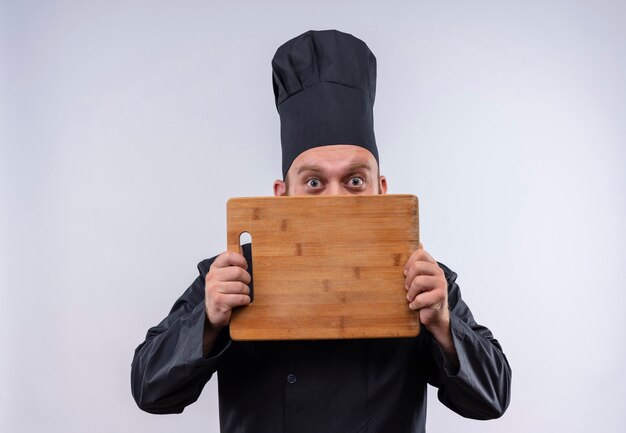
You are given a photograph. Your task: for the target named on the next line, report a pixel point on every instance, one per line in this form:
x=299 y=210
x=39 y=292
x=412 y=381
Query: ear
x=382 y=185
x=280 y=188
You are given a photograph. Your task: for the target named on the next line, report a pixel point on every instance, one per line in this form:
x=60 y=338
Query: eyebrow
x=314 y=168
x=352 y=167
x=359 y=165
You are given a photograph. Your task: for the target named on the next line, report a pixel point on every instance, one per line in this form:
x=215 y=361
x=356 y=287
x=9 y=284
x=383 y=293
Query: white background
x=126 y=125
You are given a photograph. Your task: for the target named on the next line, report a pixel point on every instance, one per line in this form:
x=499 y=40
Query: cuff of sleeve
x=460 y=332
x=196 y=339
x=222 y=343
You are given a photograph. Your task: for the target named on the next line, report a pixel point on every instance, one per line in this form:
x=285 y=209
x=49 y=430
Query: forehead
x=334 y=157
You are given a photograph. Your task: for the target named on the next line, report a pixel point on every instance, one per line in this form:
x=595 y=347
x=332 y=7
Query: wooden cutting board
x=326 y=267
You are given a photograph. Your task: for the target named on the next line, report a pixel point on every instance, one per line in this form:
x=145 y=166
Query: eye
x=356 y=181
x=313 y=183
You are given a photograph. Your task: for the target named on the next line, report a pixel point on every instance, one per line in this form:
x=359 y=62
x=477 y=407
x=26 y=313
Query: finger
x=233 y=287
x=414 y=257
x=421 y=284
x=231 y=273
x=432 y=299
x=231 y=300
x=418 y=268
x=230 y=258
x=427 y=256
x=418 y=256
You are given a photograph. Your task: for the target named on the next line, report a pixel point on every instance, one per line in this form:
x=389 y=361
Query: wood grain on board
x=326 y=267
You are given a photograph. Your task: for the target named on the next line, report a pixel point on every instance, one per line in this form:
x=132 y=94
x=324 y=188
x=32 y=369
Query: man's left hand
x=427 y=292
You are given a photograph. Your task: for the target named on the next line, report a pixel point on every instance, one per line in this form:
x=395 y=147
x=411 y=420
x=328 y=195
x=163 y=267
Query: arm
x=468 y=366
x=479 y=386
x=177 y=358
x=169 y=370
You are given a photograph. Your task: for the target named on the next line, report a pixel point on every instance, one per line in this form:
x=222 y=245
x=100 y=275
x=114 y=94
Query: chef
x=324 y=86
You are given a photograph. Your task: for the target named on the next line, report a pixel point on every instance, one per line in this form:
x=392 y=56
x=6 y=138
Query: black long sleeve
x=169 y=370
x=376 y=385
x=481 y=387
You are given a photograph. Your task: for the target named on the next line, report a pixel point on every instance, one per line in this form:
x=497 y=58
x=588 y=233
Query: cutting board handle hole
x=246 y=238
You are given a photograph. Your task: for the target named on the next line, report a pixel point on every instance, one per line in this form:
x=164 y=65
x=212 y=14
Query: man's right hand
x=226 y=287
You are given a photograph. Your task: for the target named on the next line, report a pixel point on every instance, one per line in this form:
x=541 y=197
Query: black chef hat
x=324 y=86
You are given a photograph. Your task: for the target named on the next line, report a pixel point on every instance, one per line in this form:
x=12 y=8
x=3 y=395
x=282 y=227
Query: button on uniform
x=291 y=378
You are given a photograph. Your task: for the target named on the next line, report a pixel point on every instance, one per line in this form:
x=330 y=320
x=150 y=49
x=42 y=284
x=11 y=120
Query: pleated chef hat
x=324 y=87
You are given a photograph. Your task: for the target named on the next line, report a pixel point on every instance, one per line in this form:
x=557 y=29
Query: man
x=324 y=84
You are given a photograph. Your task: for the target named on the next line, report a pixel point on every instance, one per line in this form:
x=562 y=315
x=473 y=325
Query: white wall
x=125 y=126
